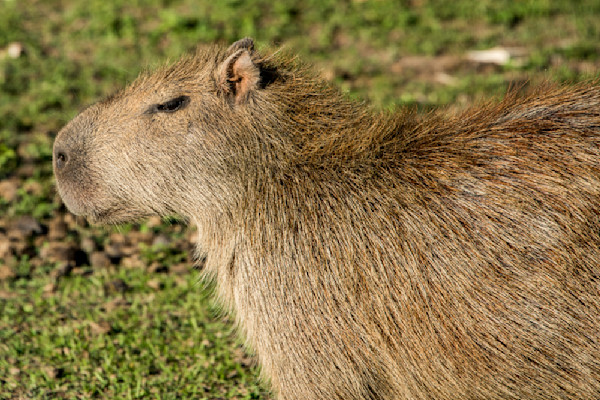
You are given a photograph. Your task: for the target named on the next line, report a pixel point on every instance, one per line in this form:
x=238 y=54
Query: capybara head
x=145 y=150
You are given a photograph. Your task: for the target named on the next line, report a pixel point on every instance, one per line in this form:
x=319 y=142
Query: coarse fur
x=366 y=255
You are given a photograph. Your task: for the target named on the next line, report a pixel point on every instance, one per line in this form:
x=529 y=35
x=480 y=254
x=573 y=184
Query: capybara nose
x=61 y=157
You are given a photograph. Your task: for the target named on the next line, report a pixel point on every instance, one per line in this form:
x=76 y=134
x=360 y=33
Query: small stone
x=82 y=271
x=14 y=50
x=157 y=267
x=100 y=328
x=26 y=170
x=153 y=222
x=36 y=262
x=180 y=282
x=180 y=269
x=132 y=262
x=20 y=247
x=114 y=304
x=49 y=371
x=88 y=245
x=73 y=221
x=8 y=189
x=116 y=286
x=114 y=250
x=49 y=288
x=496 y=55
x=25 y=226
x=117 y=238
x=116 y=246
x=128 y=250
x=58 y=251
x=137 y=237
x=232 y=374
x=4 y=295
x=6 y=272
x=33 y=187
x=57 y=229
x=161 y=240
x=155 y=284
x=39 y=241
x=63 y=268
x=99 y=259
x=4 y=246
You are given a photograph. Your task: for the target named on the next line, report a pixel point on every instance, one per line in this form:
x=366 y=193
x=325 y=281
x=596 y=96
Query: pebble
x=161 y=240
x=99 y=259
x=114 y=250
x=59 y=251
x=155 y=284
x=33 y=187
x=132 y=262
x=8 y=189
x=181 y=268
x=6 y=272
x=14 y=49
x=25 y=226
x=4 y=246
x=88 y=245
x=116 y=286
x=57 y=229
x=157 y=267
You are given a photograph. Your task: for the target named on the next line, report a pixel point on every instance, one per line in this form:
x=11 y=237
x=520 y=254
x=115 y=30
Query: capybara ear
x=245 y=43
x=238 y=75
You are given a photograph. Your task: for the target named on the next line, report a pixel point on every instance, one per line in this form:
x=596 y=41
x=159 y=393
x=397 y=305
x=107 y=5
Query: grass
x=140 y=332
x=119 y=334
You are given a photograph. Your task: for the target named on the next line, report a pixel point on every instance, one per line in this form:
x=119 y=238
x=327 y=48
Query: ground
x=119 y=312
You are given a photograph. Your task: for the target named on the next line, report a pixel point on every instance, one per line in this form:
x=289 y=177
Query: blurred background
x=119 y=312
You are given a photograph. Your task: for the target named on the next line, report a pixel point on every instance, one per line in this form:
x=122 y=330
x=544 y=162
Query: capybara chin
x=366 y=255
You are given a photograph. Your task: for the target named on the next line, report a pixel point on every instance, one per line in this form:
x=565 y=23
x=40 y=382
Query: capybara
x=365 y=254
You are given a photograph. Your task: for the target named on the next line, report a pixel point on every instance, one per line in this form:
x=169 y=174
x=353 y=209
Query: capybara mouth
x=94 y=213
x=71 y=201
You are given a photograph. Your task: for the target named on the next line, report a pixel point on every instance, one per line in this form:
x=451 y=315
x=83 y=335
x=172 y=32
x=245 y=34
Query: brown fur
x=367 y=256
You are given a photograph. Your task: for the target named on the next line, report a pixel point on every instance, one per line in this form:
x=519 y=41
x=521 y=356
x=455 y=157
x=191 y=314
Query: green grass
x=114 y=335
x=122 y=332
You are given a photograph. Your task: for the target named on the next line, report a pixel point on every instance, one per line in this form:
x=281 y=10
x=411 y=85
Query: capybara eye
x=170 y=106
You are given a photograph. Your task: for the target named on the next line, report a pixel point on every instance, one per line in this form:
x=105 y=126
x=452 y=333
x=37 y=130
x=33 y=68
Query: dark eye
x=170 y=106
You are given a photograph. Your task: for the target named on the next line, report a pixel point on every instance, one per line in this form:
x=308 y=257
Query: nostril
x=61 y=159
